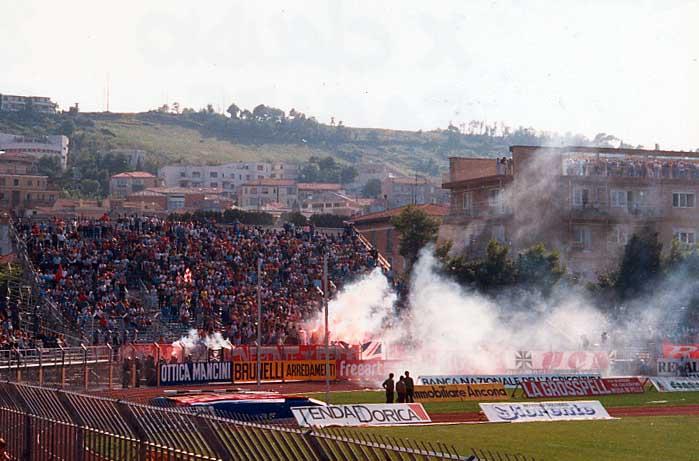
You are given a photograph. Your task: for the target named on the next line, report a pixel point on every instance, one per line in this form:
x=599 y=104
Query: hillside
x=266 y=133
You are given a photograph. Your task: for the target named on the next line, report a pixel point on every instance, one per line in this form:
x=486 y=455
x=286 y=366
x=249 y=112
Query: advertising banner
x=195 y=373
x=557 y=361
x=666 y=384
x=308 y=370
x=509 y=381
x=581 y=387
x=460 y=392
x=277 y=370
x=382 y=414
x=544 y=411
x=678 y=367
x=678 y=351
x=366 y=370
x=247 y=371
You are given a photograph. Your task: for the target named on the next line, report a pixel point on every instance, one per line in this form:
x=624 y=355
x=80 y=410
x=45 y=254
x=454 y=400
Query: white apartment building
x=37 y=146
x=13 y=103
x=226 y=178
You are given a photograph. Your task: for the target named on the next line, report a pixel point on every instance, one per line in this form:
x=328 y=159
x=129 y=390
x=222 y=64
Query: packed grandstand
x=112 y=280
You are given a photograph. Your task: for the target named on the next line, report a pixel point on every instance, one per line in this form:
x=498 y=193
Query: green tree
x=347 y=174
x=67 y=128
x=372 y=188
x=539 y=268
x=640 y=265
x=327 y=220
x=295 y=218
x=416 y=229
x=497 y=269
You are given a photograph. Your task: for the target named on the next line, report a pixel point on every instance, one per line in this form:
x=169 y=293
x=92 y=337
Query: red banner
x=678 y=351
x=588 y=387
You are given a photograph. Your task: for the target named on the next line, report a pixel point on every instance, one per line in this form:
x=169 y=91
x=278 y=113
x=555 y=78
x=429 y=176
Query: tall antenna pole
x=259 y=317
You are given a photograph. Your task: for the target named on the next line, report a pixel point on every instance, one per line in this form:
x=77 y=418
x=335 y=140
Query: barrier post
x=133 y=366
x=79 y=446
x=85 y=369
x=111 y=367
x=63 y=366
x=157 y=364
x=41 y=367
x=18 y=372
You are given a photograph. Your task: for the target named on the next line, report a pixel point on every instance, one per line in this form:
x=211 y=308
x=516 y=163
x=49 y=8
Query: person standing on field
x=400 y=389
x=409 y=388
x=389 y=386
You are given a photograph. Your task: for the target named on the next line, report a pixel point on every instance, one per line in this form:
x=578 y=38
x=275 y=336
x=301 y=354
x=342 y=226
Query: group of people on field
x=404 y=388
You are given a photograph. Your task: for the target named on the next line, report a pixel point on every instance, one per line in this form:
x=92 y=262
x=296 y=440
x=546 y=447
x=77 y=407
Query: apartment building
x=21 y=186
x=124 y=184
x=227 y=177
x=402 y=191
x=14 y=103
x=257 y=194
x=378 y=230
x=584 y=201
x=37 y=146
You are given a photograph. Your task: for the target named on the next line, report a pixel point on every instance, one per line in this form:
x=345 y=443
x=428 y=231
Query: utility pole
x=327 y=333
x=259 y=317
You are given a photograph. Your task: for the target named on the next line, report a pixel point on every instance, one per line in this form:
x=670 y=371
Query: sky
x=629 y=68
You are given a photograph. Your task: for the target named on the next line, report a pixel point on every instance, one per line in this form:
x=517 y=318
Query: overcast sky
x=627 y=68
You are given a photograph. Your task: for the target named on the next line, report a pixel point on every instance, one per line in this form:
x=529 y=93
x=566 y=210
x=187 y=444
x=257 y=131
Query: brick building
x=124 y=184
x=584 y=201
x=21 y=186
x=378 y=230
x=398 y=192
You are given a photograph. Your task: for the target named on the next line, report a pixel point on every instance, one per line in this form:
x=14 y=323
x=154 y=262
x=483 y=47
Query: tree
x=67 y=127
x=539 y=268
x=372 y=188
x=233 y=111
x=295 y=218
x=416 y=229
x=347 y=174
x=640 y=265
x=328 y=220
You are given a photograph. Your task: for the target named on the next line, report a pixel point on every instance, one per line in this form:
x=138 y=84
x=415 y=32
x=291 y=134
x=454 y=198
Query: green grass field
x=628 y=438
x=641 y=438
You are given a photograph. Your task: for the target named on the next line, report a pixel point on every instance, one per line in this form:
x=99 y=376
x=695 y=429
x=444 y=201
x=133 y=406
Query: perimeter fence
x=39 y=423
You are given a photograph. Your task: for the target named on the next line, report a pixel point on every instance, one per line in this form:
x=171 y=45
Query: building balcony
x=595 y=210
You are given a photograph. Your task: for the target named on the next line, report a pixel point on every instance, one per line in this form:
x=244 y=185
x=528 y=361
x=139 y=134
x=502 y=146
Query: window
x=498 y=233
x=619 y=198
x=196 y=174
x=389 y=240
x=685 y=236
x=619 y=235
x=253 y=190
x=183 y=174
x=495 y=200
x=583 y=238
x=260 y=167
x=264 y=190
x=213 y=184
x=213 y=174
x=581 y=197
x=16 y=182
x=468 y=201
x=683 y=200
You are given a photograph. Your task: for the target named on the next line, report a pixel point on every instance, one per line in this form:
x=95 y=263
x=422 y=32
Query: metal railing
x=40 y=423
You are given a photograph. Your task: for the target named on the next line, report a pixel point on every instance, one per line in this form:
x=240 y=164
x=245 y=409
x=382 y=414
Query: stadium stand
x=144 y=278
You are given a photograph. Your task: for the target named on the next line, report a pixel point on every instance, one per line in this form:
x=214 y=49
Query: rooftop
x=134 y=174
x=271 y=182
x=430 y=209
x=319 y=186
x=610 y=150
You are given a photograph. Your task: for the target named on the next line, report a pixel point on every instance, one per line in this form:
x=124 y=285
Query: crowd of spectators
x=198 y=273
x=634 y=167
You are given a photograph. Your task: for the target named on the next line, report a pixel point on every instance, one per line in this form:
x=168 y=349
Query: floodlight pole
x=259 y=318
x=327 y=333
